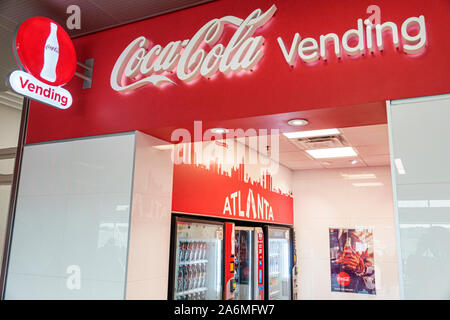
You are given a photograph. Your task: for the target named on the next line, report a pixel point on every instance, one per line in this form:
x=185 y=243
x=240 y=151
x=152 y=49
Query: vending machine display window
x=279 y=273
x=198 y=261
x=244 y=264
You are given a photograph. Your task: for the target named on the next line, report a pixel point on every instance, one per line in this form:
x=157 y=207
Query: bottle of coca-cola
x=186 y=250
x=203 y=275
x=187 y=256
x=199 y=275
x=192 y=276
x=198 y=254
x=194 y=251
x=191 y=252
x=203 y=251
x=185 y=277
x=180 y=279
x=180 y=252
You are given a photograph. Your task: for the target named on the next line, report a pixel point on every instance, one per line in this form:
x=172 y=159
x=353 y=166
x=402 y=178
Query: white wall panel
x=327 y=198
x=73 y=210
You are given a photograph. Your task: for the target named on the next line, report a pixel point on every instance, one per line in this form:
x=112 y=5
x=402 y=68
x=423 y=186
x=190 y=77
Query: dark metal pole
x=14 y=193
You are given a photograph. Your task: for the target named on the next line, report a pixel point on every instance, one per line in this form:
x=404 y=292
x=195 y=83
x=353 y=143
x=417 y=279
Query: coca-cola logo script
x=139 y=65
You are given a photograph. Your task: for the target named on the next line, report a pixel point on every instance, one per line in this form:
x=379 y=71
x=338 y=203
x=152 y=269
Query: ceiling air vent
x=331 y=141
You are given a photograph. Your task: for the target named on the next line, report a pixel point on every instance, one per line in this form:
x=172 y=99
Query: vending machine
x=279 y=248
x=197 y=260
x=245 y=253
x=214 y=260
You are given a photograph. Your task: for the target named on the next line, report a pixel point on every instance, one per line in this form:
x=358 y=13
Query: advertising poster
x=351 y=259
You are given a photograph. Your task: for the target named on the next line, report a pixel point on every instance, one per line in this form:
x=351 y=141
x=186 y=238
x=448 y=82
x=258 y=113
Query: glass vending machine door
x=244 y=263
x=279 y=275
x=199 y=254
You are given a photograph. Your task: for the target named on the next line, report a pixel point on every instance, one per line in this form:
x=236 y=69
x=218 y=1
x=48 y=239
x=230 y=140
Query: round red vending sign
x=343 y=279
x=44 y=49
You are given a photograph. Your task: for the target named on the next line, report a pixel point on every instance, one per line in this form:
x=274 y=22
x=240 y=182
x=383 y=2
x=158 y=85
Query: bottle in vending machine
x=198 y=280
x=183 y=251
x=185 y=277
x=195 y=245
x=180 y=252
x=193 y=276
x=199 y=251
x=191 y=251
x=180 y=279
x=203 y=275
x=188 y=251
x=203 y=250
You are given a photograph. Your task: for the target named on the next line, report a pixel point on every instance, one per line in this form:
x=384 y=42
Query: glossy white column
x=149 y=246
x=420 y=154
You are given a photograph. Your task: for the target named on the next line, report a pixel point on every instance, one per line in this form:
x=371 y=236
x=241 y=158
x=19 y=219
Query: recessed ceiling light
x=354 y=162
x=219 y=130
x=332 y=153
x=309 y=134
x=298 y=122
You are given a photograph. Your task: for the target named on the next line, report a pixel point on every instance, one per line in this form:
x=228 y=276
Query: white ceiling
x=96 y=15
x=371 y=143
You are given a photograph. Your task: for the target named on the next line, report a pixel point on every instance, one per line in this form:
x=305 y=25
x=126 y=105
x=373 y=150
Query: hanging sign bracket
x=88 y=67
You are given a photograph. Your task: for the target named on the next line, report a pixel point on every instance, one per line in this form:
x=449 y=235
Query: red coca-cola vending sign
x=44 y=49
x=46 y=56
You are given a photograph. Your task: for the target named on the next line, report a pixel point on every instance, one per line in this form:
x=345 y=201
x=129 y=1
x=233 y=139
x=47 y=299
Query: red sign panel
x=271 y=88
x=45 y=50
x=211 y=188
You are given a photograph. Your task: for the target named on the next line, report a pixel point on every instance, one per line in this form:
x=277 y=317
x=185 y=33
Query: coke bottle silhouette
x=51 y=55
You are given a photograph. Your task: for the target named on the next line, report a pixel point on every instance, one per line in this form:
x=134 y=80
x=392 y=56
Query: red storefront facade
x=316 y=60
